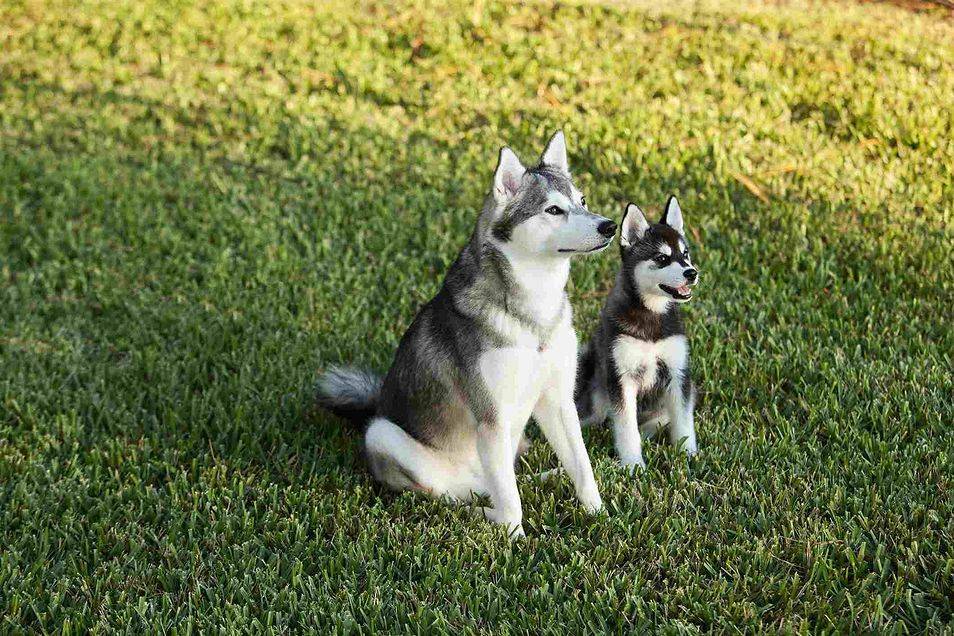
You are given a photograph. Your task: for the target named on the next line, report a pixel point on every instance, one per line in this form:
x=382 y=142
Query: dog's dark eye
x=685 y=254
x=583 y=201
x=554 y=210
x=660 y=259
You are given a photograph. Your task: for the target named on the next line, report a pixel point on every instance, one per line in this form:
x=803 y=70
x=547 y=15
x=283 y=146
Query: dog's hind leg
x=592 y=406
x=402 y=463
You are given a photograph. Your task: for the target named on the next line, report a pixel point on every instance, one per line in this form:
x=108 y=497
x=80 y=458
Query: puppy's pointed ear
x=507 y=176
x=634 y=225
x=673 y=214
x=555 y=153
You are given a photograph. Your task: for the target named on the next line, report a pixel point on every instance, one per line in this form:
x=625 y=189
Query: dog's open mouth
x=679 y=293
x=592 y=249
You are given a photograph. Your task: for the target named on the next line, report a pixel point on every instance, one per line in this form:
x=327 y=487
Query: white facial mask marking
x=559 y=200
x=558 y=235
x=649 y=277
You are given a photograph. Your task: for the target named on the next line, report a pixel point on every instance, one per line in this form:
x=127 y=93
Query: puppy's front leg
x=629 y=443
x=496 y=458
x=680 y=404
x=556 y=416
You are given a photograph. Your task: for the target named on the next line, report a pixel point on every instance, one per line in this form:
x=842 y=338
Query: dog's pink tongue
x=683 y=290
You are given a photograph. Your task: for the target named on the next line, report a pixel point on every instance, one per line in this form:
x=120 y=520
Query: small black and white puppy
x=635 y=368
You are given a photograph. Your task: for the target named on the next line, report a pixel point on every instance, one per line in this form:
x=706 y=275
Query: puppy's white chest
x=641 y=360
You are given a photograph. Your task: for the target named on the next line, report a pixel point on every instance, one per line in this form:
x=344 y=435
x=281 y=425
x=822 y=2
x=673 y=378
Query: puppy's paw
x=687 y=444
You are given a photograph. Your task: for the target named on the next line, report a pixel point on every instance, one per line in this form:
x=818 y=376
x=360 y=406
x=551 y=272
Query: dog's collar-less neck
x=630 y=314
x=543 y=332
x=514 y=299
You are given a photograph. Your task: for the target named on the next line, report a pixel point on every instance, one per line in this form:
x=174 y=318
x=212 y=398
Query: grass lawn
x=203 y=204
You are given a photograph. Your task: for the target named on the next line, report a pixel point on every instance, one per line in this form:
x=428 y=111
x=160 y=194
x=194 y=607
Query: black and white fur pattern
x=495 y=346
x=635 y=369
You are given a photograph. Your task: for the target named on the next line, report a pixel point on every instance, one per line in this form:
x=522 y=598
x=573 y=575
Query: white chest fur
x=640 y=359
x=516 y=375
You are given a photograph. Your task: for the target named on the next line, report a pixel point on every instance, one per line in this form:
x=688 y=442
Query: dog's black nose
x=691 y=274
x=607 y=229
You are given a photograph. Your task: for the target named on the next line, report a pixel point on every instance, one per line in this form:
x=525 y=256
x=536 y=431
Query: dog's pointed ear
x=555 y=153
x=634 y=225
x=508 y=174
x=673 y=214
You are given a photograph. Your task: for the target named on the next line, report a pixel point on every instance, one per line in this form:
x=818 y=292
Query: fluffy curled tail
x=350 y=393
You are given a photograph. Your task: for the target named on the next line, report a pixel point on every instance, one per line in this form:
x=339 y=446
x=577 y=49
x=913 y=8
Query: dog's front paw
x=633 y=464
x=594 y=506
x=512 y=523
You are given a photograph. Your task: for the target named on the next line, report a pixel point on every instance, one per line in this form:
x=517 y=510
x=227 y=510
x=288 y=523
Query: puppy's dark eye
x=685 y=254
x=660 y=259
x=554 y=210
x=583 y=201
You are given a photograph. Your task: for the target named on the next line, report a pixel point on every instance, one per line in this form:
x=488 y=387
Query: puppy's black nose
x=607 y=229
x=691 y=274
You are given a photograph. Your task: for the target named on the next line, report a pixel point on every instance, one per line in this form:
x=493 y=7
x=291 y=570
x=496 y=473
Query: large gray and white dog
x=635 y=369
x=495 y=346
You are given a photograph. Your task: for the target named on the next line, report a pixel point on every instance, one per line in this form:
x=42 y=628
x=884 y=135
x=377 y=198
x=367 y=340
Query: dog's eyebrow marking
x=558 y=199
x=665 y=249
